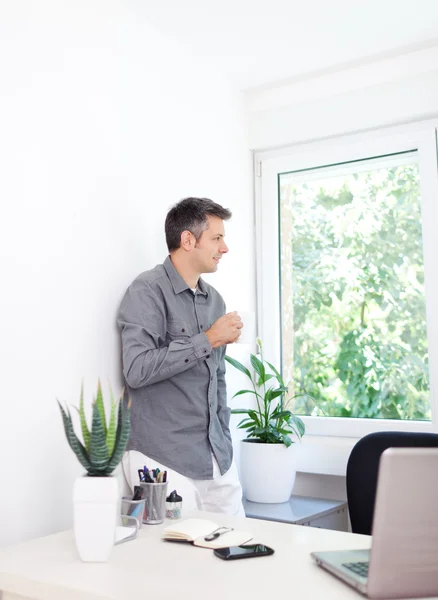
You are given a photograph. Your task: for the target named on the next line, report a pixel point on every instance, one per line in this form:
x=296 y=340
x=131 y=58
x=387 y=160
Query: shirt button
x=208 y=356
x=202 y=326
x=211 y=378
x=205 y=350
x=186 y=360
x=183 y=330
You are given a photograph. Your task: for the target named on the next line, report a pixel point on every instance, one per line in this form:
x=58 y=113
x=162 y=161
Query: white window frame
x=328 y=440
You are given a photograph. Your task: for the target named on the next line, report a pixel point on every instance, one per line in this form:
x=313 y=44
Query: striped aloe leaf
x=122 y=436
x=100 y=405
x=84 y=427
x=72 y=439
x=111 y=433
x=99 y=456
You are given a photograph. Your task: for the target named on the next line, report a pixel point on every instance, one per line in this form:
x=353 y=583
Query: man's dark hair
x=191 y=214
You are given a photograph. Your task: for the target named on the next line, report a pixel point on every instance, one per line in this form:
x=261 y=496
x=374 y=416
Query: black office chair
x=363 y=467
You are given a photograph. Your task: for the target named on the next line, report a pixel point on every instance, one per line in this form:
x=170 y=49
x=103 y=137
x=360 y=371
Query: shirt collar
x=178 y=283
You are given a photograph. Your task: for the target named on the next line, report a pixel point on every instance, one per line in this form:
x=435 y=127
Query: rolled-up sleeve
x=146 y=357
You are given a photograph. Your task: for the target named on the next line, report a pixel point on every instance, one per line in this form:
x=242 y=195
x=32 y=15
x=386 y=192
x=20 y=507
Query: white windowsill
x=324 y=455
x=328 y=454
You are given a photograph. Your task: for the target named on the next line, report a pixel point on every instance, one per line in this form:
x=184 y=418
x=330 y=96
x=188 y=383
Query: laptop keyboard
x=360 y=568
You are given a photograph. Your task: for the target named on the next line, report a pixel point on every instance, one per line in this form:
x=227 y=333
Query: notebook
x=402 y=562
x=196 y=530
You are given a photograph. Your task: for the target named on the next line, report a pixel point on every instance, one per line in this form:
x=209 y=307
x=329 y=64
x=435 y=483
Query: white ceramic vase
x=95 y=510
x=268 y=471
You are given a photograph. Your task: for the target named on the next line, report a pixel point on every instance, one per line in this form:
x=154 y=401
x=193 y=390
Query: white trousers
x=222 y=494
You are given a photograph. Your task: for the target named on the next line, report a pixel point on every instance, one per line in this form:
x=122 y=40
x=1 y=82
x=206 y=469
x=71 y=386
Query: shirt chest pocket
x=177 y=329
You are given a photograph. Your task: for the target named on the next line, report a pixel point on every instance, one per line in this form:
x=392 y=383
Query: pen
x=134 y=509
x=138 y=493
x=148 y=478
x=216 y=533
x=162 y=477
x=152 y=476
x=135 y=512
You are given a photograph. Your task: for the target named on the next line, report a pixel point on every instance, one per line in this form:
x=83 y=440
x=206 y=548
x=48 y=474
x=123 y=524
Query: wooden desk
x=302 y=510
x=49 y=569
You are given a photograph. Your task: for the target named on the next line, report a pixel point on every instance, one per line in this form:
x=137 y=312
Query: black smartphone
x=247 y=551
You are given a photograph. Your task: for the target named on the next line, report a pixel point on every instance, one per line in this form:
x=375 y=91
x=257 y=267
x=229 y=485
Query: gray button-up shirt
x=176 y=380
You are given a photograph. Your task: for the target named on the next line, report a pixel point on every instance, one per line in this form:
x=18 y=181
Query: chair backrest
x=363 y=467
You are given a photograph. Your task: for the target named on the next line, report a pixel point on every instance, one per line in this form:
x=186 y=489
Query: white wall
x=104 y=124
x=394 y=90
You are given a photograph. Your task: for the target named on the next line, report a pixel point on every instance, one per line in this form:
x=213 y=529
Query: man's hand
x=225 y=330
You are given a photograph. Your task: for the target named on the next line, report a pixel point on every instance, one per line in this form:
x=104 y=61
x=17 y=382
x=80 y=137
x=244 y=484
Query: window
x=352 y=299
x=347 y=270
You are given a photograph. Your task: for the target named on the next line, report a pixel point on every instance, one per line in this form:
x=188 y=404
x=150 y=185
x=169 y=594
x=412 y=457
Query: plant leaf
x=111 y=433
x=253 y=414
x=299 y=424
x=268 y=396
x=277 y=374
x=239 y=411
x=122 y=435
x=275 y=393
x=100 y=405
x=259 y=367
x=283 y=430
x=282 y=414
x=246 y=392
x=99 y=456
x=238 y=365
x=294 y=430
x=286 y=441
x=84 y=426
x=72 y=439
x=246 y=425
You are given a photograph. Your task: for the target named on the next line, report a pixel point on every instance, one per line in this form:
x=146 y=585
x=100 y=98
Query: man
x=174 y=336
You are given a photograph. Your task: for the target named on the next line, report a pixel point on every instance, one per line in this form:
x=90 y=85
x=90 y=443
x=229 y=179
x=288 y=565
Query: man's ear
x=187 y=241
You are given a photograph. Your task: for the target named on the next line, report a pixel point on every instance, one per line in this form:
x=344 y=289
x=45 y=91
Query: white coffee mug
x=248 y=331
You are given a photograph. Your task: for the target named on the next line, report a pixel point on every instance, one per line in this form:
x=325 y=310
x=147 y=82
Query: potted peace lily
x=96 y=494
x=268 y=454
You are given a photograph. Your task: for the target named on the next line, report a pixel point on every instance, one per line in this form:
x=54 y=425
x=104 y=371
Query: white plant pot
x=268 y=471
x=95 y=510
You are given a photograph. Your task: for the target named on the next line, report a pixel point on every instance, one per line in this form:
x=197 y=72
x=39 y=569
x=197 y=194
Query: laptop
x=403 y=560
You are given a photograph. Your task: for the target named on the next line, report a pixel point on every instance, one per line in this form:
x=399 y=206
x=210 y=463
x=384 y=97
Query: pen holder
x=132 y=508
x=155 y=502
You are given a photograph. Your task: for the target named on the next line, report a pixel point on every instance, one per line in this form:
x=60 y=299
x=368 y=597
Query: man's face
x=210 y=247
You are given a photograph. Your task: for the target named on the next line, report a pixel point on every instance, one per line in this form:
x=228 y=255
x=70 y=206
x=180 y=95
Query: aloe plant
x=104 y=443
